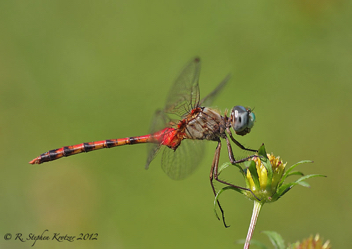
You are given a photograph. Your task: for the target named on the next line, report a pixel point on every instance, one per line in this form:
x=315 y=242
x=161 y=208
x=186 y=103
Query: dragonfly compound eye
x=242 y=120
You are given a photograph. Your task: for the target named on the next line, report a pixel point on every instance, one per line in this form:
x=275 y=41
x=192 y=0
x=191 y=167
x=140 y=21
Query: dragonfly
x=180 y=129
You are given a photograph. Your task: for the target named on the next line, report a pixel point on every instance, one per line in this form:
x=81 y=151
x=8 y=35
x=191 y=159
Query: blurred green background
x=79 y=71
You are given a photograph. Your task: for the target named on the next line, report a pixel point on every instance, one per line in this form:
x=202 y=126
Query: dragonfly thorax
x=242 y=120
x=203 y=124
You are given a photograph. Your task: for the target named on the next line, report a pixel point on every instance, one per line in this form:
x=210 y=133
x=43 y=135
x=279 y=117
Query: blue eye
x=251 y=120
x=242 y=120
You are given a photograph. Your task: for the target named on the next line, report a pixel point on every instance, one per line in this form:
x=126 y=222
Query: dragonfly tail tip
x=34 y=161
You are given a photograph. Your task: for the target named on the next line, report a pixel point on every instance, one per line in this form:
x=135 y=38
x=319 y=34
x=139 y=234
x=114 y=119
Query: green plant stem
x=256 y=209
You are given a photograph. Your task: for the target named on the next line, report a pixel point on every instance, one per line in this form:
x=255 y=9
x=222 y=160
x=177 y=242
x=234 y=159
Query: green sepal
x=276 y=239
x=266 y=162
x=269 y=169
x=253 y=170
x=262 y=151
x=245 y=174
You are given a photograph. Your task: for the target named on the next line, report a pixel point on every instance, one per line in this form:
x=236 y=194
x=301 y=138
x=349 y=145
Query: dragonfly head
x=242 y=120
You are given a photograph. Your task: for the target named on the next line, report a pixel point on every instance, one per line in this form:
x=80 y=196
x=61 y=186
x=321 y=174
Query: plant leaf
x=286 y=187
x=295 y=173
x=308 y=176
x=223 y=166
x=276 y=239
x=304 y=184
x=241 y=191
x=291 y=168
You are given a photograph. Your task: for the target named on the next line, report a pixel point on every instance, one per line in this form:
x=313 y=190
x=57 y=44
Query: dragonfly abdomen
x=87 y=147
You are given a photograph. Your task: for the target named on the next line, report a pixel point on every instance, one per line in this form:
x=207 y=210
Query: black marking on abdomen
x=51 y=155
x=67 y=151
x=133 y=140
x=109 y=143
x=88 y=147
x=45 y=157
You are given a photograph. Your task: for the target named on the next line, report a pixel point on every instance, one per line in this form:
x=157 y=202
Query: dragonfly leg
x=214 y=167
x=231 y=156
x=238 y=143
x=233 y=161
x=215 y=173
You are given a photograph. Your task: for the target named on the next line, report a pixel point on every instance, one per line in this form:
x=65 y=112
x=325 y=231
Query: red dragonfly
x=180 y=138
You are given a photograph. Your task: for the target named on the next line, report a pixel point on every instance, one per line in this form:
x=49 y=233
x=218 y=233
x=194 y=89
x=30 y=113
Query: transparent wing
x=183 y=97
x=184 y=94
x=181 y=163
x=208 y=100
x=159 y=122
x=153 y=150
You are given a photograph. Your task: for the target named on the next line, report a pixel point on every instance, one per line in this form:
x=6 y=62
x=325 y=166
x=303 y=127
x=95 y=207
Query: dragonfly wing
x=159 y=121
x=153 y=150
x=184 y=94
x=181 y=163
x=209 y=99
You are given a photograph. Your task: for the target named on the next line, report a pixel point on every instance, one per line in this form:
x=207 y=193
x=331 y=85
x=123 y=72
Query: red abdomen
x=87 y=147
